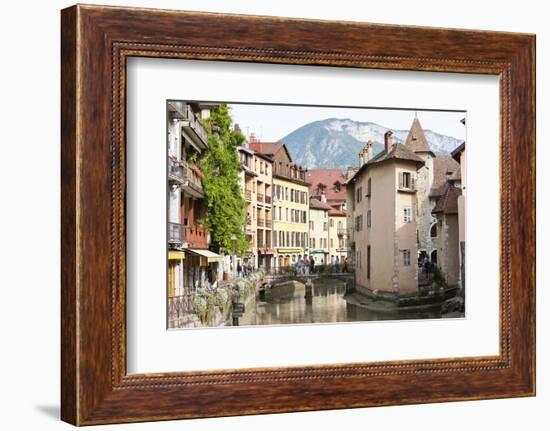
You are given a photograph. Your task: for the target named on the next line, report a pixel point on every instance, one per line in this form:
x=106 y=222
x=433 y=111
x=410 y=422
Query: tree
x=220 y=165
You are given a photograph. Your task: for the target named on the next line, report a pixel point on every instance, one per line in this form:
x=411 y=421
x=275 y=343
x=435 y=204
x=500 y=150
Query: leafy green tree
x=220 y=165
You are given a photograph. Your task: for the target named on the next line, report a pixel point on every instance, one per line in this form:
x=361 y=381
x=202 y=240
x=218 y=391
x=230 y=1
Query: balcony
x=196 y=236
x=267 y=199
x=194 y=129
x=342 y=231
x=248 y=195
x=260 y=197
x=260 y=222
x=192 y=181
x=176 y=233
x=268 y=223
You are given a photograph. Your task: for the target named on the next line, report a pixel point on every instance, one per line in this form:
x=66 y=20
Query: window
x=406 y=257
x=359 y=223
x=433 y=231
x=407 y=215
x=311 y=225
x=331 y=222
x=359 y=194
x=325 y=228
x=274 y=238
x=368 y=262
x=369 y=187
x=291 y=195
x=406 y=181
x=368 y=218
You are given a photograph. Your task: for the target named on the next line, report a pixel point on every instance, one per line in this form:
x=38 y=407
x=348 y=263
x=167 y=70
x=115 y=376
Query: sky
x=273 y=122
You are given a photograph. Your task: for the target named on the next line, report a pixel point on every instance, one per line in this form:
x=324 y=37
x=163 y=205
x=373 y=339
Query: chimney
x=252 y=137
x=237 y=128
x=369 y=151
x=361 y=157
x=388 y=141
x=323 y=197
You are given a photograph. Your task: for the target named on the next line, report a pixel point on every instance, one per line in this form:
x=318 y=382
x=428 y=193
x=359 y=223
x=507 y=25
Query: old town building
x=459 y=178
x=381 y=201
x=256 y=184
x=318 y=231
x=190 y=264
x=290 y=204
x=328 y=185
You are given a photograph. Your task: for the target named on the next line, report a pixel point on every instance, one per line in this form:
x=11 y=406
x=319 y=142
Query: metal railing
x=179 y=307
x=176 y=232
x=342 y=231
x=195 y=124
x=175 y=170
x=191 y=176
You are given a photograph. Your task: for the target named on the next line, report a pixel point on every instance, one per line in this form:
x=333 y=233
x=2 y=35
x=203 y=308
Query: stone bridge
x=281 y=275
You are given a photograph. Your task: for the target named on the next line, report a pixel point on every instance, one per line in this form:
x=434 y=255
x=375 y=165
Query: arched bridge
x=302 y=275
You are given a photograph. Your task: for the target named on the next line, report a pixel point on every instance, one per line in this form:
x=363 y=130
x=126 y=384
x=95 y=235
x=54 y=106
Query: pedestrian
x=311 y=264
x=345 y=265
x=306 y=266
x=336 y=264
x=239 y=269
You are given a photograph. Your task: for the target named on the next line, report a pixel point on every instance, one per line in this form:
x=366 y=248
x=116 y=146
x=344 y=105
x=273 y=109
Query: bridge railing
x=296 y=270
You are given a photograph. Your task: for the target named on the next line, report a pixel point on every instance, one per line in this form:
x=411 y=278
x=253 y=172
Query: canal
x=286 y=303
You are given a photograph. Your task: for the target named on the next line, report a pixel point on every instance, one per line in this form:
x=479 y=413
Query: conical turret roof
x=416 y=140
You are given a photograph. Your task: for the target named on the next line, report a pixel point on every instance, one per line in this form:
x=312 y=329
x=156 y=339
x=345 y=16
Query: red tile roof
x=328 y=178
x=442 y=165
x=317 y=204
x=269 y=148
x=448 y=202
x=335 y=212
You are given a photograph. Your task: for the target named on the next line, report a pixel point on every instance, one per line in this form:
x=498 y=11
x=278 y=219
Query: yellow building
x=256 y=184
x=290 y=204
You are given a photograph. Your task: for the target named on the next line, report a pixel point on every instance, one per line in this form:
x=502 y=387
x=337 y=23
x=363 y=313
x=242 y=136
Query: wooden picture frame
x=95 y=43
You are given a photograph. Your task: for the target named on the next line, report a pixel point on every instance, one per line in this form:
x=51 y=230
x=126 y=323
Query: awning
x=176 y=255
x=209 y=255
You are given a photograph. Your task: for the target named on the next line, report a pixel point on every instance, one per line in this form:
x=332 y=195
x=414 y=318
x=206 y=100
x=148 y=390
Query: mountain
x=336 y=142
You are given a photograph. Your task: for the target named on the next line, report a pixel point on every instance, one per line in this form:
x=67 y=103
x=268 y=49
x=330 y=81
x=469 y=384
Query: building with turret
x=381 y=200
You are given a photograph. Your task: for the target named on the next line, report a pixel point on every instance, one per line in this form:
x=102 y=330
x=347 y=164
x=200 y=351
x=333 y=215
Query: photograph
x=297 y=214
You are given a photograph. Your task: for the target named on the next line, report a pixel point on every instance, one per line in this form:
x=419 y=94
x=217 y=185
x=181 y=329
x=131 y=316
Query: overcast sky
x=273 y=122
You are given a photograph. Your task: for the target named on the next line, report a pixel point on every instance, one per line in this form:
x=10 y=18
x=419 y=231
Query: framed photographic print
x=324 y=222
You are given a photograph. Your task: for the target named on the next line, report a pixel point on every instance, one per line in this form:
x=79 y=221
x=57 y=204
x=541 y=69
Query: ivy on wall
x=220 y=165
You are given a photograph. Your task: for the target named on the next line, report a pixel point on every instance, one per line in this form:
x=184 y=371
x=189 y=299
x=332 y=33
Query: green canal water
x=287 y=304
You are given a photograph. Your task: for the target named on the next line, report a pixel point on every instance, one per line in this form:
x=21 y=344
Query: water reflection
x=292 y=303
